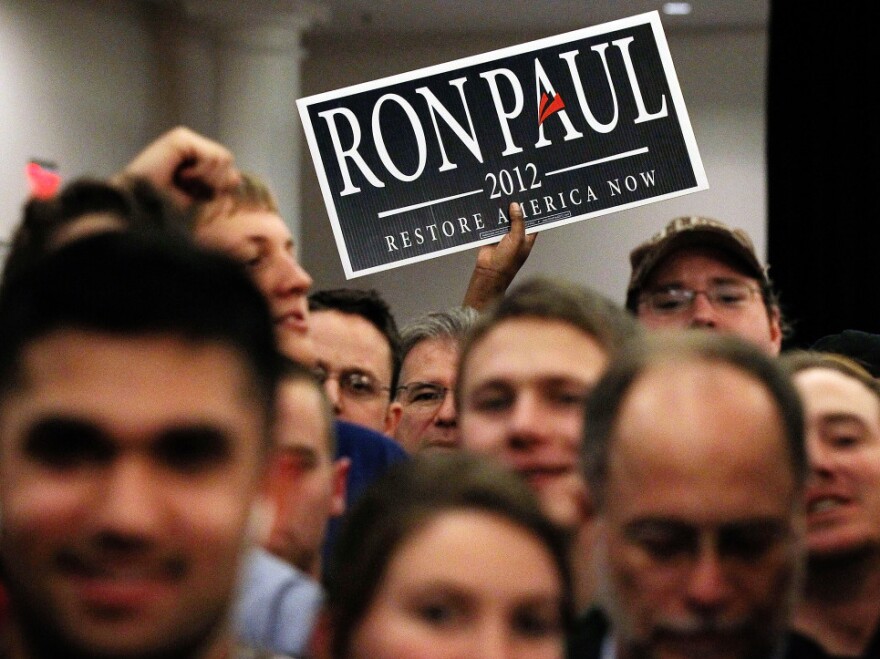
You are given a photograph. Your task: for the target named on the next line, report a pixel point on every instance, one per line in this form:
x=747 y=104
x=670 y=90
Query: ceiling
x=420 y=16
x=364 y=17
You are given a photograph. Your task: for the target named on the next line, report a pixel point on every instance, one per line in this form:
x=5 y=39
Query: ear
x=340 y=486
x=776 y=329
x=392 y=418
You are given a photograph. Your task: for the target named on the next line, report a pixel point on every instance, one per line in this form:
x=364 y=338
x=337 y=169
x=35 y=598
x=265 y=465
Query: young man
x=694 y=454
x=525 y=371
x=135 y=418
x=358 y=355
x=698 y=272
x=839 y=614
x=428 y=373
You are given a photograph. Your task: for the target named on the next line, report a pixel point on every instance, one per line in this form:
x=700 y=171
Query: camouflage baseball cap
x=691 y=231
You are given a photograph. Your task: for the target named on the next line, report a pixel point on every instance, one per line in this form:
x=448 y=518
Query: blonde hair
x=252 y=194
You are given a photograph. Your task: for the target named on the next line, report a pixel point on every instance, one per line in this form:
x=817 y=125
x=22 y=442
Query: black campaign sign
x=572 y=127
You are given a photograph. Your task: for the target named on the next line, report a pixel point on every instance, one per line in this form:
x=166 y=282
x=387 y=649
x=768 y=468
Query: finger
x=517 y=221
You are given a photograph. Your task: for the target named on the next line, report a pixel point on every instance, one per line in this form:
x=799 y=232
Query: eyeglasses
x=727 y=296
x=423 y=395
x=354 y=383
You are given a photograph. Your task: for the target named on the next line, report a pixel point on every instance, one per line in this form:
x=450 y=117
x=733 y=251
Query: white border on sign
x=651 y=18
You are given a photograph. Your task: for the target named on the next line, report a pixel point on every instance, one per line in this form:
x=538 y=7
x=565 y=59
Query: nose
x=291 y=278
x=334 y=394
x=527 y=422
x=130 y=501
x=821 y=455
x=702 y=312
x=447 y=416
x=708 y=588
x=492 y=639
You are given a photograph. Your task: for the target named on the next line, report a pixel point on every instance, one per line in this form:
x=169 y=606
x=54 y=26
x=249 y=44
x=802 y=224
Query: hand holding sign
x=498 y=264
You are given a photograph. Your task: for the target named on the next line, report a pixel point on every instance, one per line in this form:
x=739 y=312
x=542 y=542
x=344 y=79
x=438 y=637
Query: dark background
x=823 y=164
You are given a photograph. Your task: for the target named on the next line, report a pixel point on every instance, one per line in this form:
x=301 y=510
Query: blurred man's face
x=261 y=240
x=522 y=394
x=307 y=485
x=427 y=379
x=700 y=531
x=702 y=270
x=843 y=443
x=128 y=469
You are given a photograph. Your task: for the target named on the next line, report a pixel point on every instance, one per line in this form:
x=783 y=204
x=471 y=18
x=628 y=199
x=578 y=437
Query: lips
x=294 y=321
x=539 y=476
x=825 y=502
x=118 y=585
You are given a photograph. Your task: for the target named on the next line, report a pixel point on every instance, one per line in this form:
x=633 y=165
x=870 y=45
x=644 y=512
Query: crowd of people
x=204 y=455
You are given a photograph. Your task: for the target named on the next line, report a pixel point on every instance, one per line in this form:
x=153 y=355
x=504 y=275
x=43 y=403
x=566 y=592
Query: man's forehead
x=431 y=357
x=137 y=379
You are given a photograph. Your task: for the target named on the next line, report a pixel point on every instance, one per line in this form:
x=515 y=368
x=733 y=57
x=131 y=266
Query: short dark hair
x=557 y=300
x=686 y=346
x=138 y=205
x=129 y=284
x=400 y=503
x=367 y=304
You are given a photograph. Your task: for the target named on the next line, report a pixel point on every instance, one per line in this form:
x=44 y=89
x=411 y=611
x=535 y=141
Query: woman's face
x=468 y=584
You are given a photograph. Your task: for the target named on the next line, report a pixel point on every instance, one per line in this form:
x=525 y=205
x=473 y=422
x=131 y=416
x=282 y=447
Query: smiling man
x=134 y=430
x=525 y=370
x=839 y=615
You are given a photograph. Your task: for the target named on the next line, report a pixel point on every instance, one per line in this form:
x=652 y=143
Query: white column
x=257 y=82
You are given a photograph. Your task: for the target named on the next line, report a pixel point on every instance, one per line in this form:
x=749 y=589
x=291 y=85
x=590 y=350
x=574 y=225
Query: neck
x=840 y=609
x=583 y=573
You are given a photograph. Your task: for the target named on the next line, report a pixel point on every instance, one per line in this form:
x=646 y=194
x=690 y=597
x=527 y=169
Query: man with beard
x=694 y=454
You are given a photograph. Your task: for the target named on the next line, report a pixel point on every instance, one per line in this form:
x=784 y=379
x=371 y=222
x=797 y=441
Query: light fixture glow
x=677 y=8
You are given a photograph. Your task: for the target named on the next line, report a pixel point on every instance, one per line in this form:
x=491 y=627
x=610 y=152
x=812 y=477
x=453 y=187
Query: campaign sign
x=575 y=126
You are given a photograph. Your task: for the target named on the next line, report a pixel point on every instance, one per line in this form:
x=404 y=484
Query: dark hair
x=128 y=284
x=367 y=304
x=400 y=503
x=138 y=206
x=687 y=346
x=295 y=372
x=558 y=300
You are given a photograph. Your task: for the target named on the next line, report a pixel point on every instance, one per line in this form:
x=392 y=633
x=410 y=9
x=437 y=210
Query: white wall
x=76 y=81
x=78 y=85
x=722 y=80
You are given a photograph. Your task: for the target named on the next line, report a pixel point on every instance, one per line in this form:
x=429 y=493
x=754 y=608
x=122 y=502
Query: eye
x=731 y=295
x=673 y=299
x=538 y=621
x=437 y=613
x=664 y=542
x=358 y=383
x=64 y=444
x=492 y=400
x=300 y=457
x=190 y=450
x=567 y=395
x=844 y=441
x=749 y=543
